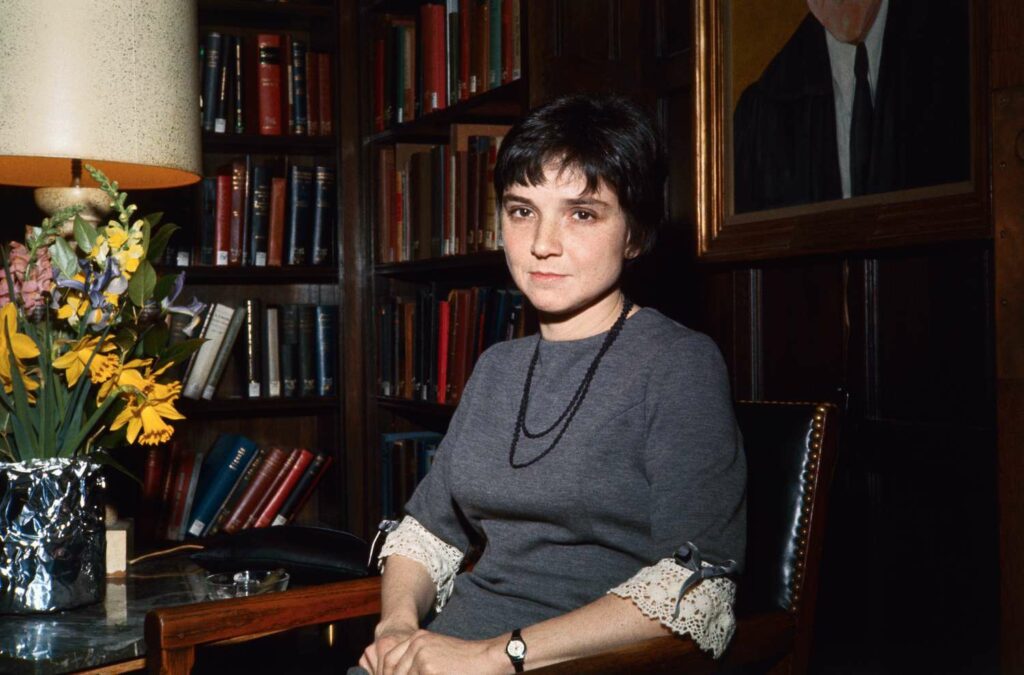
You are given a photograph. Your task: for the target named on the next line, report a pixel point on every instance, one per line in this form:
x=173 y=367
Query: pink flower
x=39 y=281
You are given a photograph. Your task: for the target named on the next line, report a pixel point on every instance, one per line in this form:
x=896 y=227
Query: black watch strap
x=516 y=650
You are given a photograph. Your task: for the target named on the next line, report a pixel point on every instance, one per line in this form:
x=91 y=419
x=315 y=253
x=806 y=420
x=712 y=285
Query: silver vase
x=52 y=536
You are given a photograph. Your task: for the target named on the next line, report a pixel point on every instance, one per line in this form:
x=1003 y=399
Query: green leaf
x=85 y=234
x=142 y=283
x=65 y=258
x=26 y=426
x=164 y=284
x=105 y=458
x=158 y=243
x=154 y=218
x=178 y=352
x=155 y=339
x=73 y=441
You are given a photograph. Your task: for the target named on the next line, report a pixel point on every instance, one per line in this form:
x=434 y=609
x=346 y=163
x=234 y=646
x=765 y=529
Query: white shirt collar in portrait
x=841 y=57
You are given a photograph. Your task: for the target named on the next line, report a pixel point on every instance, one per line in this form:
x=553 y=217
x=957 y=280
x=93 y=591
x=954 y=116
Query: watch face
x=516 y=649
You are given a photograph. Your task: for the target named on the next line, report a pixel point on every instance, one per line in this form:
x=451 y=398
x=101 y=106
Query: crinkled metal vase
x=52 y=535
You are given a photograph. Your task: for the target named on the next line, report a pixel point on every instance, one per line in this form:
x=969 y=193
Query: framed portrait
x=825 y=126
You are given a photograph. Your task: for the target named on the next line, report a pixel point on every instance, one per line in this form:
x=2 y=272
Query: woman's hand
x=385 y=639
x=426 y=653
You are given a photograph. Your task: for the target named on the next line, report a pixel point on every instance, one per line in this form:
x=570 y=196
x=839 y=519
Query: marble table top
x=104 y=633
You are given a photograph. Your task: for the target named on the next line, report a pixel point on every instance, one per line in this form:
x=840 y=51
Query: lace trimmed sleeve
x=705 y=613
x=412 y=540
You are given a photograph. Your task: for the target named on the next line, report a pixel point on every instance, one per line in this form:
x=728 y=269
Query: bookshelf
x=314 y=422
x=566 y=46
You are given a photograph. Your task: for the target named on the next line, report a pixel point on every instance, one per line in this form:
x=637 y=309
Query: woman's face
x=565 y=247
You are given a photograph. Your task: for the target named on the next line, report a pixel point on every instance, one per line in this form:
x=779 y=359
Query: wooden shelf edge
x=255 y=275
x=266 y=407
x=290 y=144
x=249 y=7
x=409 y=405
x=501 y=105
x=452 y=262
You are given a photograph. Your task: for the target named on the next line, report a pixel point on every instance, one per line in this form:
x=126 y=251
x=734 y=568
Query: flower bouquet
x=85 y=365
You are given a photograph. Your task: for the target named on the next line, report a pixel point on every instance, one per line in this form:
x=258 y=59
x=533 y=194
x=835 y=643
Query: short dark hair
x=604 y=137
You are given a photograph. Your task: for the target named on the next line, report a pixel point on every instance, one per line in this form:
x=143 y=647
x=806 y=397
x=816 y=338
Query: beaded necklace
x=574 y=403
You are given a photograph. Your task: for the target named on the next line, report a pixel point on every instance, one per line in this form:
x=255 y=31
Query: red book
x=325 y=95
x=261 y=482
x=308 y=491
x=312 y=93
x=302 y=459
x=269 y=73
x=288 y=90
x=465 y=60
x=239 y=181
x=507 y=52
x=152 y=488
x=435 y=80
x=291 y=456
x=460 y=340
x=222 y=222
x=482 y=45
x=443 y=318
x=275 y=235
x=408 y=334
x=182 y=474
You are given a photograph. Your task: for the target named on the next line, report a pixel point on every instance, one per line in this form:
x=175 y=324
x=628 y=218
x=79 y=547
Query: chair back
x=790 y=450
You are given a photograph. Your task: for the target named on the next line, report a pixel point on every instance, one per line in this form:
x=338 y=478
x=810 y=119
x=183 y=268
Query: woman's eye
x=519 y=212
x=583 y=215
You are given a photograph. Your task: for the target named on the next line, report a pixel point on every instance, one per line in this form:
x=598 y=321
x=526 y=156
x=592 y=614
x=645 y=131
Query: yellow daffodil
x=149 y=404
x=104 y=363
x=21 y=345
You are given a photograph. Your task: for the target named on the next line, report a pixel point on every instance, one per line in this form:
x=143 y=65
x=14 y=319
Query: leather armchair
x=791 y=453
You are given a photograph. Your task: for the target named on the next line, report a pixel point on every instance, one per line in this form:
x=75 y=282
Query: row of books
x=428 y=344
x=269 y=84
x=267 y=212
x=437 y=200
x=236 y=485
x=405 y=459
x=444 y=54
x=288 y=350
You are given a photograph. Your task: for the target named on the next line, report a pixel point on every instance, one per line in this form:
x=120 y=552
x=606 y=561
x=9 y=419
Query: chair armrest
x=173 y=632
x=759 y=638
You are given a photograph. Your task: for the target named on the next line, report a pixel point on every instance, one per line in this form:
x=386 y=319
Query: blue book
x=300 y=207
x=213 y=55
x=228 y=459
x=323 y=216
x=259 y=223
x=300 y=116
x=326 y=342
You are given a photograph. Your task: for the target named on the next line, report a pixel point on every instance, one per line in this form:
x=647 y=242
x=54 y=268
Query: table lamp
x=111 y=83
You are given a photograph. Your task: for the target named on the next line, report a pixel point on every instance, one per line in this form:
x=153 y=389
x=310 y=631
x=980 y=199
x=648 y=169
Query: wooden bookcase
x=310 y=422
x=566 y=46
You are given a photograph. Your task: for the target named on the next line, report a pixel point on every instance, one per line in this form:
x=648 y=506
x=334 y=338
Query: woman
x=584 y=456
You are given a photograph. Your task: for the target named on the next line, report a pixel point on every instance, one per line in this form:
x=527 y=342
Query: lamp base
x=50 y=200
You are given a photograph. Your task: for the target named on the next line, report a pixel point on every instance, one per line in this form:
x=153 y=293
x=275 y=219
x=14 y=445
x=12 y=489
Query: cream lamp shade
x=113 y=83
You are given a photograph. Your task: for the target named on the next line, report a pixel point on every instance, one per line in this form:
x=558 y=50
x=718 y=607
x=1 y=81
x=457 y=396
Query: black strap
x=860 y=125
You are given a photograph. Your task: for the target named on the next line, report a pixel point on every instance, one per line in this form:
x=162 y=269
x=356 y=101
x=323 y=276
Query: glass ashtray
x=245 y=583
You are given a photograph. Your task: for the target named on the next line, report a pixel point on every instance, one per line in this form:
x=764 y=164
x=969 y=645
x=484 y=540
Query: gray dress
x=652 y=459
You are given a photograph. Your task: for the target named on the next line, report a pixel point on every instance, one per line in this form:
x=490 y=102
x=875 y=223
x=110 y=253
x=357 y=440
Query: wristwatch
x=516 y=650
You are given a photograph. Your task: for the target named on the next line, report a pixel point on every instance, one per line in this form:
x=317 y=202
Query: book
x=164 y=511
x=253 y=347
x=215 y=330
x=313 y=92
x=291 y=456
x=212 y=55
x=323 y=215
x=260 y=221
x=306 y=374
x=184 y=492
x=443 y=319
x=227 y=460
x=326 y=94
x=271 y=353
x=494 y=59
x=153 y=469
x=268 y=469
x=289 y=350
x=238 y=88
x=220 y=120
x=326 y=349
x=401 y=467
x=300 y=203
x=432 y=57
x=239 y=189
x=300 y=115
x=302 y=492
x=208 y=222
x=275 y=234
x=269 y=83
x=300 y=461
x=240 y=485
x=222 y=221
x=223 y=355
